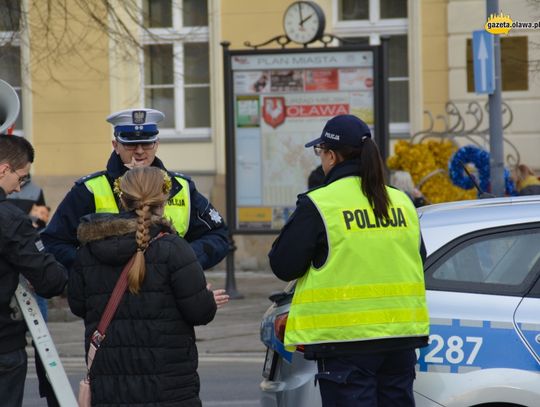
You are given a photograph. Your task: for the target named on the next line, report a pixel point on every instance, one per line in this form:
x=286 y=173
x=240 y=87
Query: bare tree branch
x=62 y=31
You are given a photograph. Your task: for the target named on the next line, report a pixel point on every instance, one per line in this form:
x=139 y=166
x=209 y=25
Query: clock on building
x=304 y=22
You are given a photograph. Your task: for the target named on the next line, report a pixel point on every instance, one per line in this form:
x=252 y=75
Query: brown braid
x=143 y=224
x=144 y=191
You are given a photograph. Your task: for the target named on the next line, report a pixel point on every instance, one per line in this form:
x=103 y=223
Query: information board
x=280 y=101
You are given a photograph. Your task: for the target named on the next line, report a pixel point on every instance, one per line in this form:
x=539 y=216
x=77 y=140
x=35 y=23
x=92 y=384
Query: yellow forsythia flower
x=422 y=161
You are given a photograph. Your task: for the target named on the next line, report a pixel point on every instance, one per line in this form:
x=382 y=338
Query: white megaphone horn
x=9 y=106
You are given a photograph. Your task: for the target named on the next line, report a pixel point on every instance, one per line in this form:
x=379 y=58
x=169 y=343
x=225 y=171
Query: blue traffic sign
x=484 y=62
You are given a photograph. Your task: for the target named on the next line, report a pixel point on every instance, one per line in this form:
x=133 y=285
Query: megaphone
x=9 y=106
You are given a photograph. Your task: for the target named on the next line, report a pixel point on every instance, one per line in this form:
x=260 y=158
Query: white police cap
x=136 y=125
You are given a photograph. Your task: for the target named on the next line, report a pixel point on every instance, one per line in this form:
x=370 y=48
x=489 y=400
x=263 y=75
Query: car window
x=499 y=263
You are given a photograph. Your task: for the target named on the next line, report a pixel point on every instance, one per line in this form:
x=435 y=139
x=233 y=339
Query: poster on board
x=282 y=101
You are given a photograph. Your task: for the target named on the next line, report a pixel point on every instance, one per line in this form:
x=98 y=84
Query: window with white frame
x=10 y=52
x=369 y=20
x=176 y=68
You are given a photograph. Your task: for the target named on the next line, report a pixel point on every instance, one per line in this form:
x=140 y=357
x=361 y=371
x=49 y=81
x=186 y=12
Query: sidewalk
x=234 y=330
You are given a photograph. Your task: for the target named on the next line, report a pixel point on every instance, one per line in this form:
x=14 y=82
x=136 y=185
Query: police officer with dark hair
x=21 y=253
x=135 y=144
x=354 y=245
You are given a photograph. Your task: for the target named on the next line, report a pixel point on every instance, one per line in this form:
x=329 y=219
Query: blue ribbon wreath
x=480 y=159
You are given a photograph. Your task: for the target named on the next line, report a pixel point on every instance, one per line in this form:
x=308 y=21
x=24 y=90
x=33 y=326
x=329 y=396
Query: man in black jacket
x=21 y=253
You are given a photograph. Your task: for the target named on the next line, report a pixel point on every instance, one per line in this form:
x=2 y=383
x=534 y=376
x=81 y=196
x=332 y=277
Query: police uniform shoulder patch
x=82 y=180
x=215 y=216
x=211 y=217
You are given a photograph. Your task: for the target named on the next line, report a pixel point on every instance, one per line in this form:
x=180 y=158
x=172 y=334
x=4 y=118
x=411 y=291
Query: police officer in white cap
x=135 y=133
x=135 y=144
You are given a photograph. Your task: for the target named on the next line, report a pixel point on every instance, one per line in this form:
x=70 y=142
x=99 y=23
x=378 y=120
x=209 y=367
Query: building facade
x=76 y=63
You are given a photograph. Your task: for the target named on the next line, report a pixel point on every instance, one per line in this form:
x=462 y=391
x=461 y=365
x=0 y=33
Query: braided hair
x=143 y=190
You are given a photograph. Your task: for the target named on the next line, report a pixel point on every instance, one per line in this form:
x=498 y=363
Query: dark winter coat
x=148 y=357
x=22 y=253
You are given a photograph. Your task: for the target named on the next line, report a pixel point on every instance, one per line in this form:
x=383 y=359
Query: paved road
x=226 y=381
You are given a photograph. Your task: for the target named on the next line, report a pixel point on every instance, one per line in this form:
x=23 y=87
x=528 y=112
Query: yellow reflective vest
x=177 y=209
x=372 y=283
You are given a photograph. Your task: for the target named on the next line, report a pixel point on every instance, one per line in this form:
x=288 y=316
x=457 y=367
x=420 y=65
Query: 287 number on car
x=452 y=350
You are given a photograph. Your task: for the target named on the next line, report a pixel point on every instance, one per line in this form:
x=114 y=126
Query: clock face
x=303 y=22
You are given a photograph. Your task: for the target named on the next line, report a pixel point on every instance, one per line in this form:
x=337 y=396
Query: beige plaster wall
x=70 y=97
x=434 y=56
x=258 y=21
x=463 y=18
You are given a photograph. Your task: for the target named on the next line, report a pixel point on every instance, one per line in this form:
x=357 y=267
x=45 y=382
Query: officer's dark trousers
x=374 y=380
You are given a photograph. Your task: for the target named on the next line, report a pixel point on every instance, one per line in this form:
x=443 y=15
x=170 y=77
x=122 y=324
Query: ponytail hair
x=143 y=190
x=371 y=173
x=373 y=182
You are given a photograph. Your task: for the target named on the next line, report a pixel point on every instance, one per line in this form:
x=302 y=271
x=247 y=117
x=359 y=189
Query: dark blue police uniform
x=207 y=233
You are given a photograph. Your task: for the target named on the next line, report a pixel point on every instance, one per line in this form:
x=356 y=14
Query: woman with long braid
x=149 y=356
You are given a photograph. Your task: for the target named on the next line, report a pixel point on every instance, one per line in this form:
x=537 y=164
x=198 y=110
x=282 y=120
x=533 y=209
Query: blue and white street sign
x=484 y=62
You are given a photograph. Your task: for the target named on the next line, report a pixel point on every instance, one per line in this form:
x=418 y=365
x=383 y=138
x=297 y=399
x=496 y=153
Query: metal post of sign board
x=496 y=157
x=230 y=279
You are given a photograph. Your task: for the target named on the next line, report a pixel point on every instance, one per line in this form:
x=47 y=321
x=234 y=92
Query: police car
x=483 y=279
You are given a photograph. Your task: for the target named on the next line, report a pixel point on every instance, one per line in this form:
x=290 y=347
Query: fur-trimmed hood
x=100 y=226
x=111 y=237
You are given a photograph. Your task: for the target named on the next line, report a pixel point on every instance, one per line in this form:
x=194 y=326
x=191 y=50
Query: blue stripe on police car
x=488 y=345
